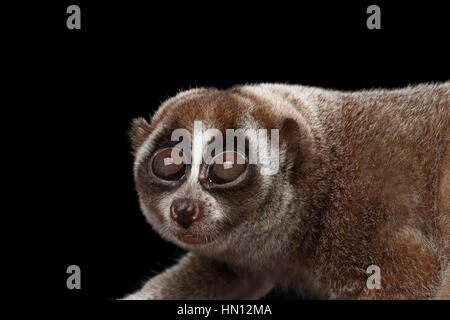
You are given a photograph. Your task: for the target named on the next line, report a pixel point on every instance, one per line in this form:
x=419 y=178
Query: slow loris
x=362 y=178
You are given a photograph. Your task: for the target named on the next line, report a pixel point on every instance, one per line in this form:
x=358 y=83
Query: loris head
x=213 y=196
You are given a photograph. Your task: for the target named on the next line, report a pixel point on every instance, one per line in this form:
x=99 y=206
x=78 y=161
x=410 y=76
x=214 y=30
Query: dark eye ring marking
x=167 y=167
x=226 y=167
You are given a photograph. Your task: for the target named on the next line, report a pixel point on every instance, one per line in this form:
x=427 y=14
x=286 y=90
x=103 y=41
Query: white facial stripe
x=143 y=151
x=197 y=150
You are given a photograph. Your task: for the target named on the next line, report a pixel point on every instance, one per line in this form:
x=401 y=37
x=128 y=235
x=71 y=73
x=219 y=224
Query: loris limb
x=198 y=277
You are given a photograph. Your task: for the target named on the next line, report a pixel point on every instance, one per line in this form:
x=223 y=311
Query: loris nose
x=185 y=211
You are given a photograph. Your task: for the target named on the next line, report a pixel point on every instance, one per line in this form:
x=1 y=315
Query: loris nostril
x=185 y=211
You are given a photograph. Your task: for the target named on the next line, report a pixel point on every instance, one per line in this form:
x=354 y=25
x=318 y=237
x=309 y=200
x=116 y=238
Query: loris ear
x=290 y=137
x=140 y=130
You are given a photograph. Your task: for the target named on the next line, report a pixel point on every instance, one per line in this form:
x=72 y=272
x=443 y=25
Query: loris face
x=203 y=198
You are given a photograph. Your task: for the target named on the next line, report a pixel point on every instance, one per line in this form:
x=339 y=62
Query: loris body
x=363 y=179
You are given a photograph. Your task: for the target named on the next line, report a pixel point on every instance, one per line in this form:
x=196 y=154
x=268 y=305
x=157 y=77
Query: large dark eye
x=168 y=164
x=227 y=167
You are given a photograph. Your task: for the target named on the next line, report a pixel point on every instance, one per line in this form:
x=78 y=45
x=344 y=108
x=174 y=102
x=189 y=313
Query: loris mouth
x=195 y=239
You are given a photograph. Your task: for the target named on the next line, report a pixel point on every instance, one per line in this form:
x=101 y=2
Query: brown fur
x=384 y=207
x=364 y=180
x=444 y=216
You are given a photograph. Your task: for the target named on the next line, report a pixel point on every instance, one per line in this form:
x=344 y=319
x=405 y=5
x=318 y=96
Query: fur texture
x=364 y=180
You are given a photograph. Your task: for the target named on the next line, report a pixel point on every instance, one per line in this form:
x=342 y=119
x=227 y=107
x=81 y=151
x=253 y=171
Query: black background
x=86 y=85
